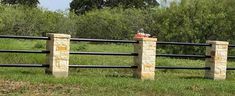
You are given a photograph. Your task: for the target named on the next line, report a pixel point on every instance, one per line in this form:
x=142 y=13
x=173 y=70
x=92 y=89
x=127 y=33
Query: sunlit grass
x=102 y=82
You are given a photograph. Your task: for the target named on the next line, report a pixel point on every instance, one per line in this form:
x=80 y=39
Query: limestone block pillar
x=218 y=61
x=145 y=61
x=58 y=58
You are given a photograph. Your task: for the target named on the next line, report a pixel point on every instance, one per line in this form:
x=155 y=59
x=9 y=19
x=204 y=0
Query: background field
x=100 y=82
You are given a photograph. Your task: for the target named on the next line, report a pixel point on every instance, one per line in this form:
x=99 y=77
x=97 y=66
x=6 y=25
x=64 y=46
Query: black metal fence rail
x=103 y=40
x=182 y=43
x=133 y=41
x=24 y=37
x=231 y=57
x=24 y=65
x=134 y=67
x=231 y=46
x=230 y=68
x=182 y=56
x=105 y=53
x=106 y=67
x=102 y=66
x=25 y=51
x=185 y=68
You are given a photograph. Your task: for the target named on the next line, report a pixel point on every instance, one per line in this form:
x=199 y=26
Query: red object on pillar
x=141 y=35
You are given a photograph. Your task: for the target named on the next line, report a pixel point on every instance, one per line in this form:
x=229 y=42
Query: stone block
x=145 y=61
x=58 y=58
x=218 y=61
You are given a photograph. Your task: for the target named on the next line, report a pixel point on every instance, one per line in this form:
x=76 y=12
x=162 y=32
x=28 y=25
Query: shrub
x=110 y=23
x=22 y=20
x=195 y=21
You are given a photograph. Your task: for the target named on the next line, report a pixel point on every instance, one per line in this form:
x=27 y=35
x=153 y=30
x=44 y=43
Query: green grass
x=104 y=82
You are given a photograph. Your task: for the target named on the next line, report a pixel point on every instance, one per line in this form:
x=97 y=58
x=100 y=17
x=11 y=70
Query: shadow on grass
x=27 y=73
x=193 y=77
x=118 y=76
x=22 y=72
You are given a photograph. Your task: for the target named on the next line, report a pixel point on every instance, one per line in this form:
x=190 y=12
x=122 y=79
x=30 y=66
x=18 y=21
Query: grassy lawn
x=104 y=82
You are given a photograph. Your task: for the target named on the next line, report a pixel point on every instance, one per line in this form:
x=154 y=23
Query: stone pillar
x=218 y=61
x=58 y=58
x=145 y=61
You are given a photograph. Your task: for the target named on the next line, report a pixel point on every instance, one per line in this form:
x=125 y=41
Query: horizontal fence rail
x=134 y=67
x=182 y=43
x=24 y=37
x=105 y=53
x=188 y=68
x=182 y=56
x=101 y=66
x=24 y=51
x=231 y=46
x=24 y=65
x=231 y=57
x=105 y=66
x=230 y=68
x=103 y=40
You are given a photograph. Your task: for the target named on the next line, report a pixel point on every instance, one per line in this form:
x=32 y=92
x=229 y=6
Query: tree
x=31 y=3
x=131 y=3
x=81 y=6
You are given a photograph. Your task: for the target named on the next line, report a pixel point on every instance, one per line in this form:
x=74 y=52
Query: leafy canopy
x=31 y=3
x=82 y=6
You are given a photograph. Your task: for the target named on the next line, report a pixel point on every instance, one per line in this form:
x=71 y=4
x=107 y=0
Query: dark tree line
x=82 y=6
x=31 y=3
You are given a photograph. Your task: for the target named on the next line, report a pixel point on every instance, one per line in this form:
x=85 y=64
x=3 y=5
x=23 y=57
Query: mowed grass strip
x=99 y=82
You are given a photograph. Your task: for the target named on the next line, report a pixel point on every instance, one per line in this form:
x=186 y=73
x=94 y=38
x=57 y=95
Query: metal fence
x=25 y=51
x=108 y=53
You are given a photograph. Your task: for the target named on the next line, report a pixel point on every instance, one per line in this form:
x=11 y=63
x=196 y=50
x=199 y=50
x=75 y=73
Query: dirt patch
x=8 y=87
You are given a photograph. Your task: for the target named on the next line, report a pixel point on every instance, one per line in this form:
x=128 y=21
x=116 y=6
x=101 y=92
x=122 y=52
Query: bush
x=195 y=21
x=22 y=20
x=110 y=23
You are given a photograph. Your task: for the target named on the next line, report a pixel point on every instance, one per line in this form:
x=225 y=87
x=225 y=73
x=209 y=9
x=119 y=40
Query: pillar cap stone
x=146 y=39
x=217 y=42
x=58 y=35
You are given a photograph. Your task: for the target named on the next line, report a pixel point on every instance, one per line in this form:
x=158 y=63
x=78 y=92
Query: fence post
x=58 y=58
x=145 y=61
x=218 y=61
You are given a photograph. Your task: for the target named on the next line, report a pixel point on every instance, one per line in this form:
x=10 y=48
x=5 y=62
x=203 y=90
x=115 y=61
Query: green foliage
x=31 y=3
x=195 y=21
x=131 y=3
x=198 y=20
x=79 y=47
x=191 y=21
x=110 y=23
x=22 y=20
x=39 y=45
x=82 y=6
